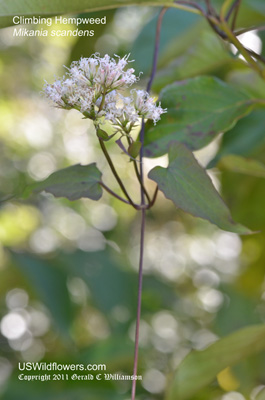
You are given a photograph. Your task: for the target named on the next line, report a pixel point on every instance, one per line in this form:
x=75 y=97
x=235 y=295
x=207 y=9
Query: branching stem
x=113 y=169
x=113 y=193
x=139 y=176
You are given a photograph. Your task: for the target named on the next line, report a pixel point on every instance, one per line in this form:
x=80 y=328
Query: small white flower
x=146 y=106
x=91 y=85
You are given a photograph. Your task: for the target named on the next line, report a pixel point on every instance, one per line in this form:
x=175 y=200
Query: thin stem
x=234 y=8
x=113 y=193
x=259 y=101
x=210 y=8
x=143 y=211
x=192 y=4
x=154 y=197
x=139 y=177
x=240 y=31
x=183 y=5
x=208 y=5
x=233 y=39
x=256 y=55
x=118 y=179
x=140 y=181
x=139 y=301
x=155 y=57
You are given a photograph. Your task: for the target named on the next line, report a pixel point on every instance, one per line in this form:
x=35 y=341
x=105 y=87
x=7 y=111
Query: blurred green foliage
x=69 y=269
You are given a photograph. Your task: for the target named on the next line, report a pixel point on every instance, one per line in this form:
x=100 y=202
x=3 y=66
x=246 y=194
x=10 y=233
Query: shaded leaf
x=200 y=368
x=109 y=284
x=206 y=53
x=242 y=165
x=115 y=351
x=248 y=80
x=49 y=282
x=237 y=313
x=247 y=138
x=77 y=390
x=73 y=183
x=197 y=110
x=83 y=47
x=187 y=184
x=175 y=24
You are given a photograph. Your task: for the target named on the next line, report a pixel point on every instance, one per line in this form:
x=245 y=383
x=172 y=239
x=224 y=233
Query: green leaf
x=240 y=141
x=116 y=351
x=109 y=284
x=242 y=165
x=102 y=134
x=49 y=282
x=187 y=184
x=248 y=80
x=178 y=30
x=197 y=110
x=200 y=368
x=73 y=183
x=77 y=390
x=204 y=55
x=134 y=149
x=83 y=47
x=251 y=13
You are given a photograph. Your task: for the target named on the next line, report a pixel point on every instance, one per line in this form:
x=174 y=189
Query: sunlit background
x=69 y=269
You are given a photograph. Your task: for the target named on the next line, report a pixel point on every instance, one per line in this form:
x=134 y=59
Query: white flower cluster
x=122 y=110
x=91 y=86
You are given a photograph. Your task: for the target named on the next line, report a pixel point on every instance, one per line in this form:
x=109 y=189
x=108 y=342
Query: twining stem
x=139 y=301
x=143 y=211
x=113 y=169
x=234 y=8
x=155 y=56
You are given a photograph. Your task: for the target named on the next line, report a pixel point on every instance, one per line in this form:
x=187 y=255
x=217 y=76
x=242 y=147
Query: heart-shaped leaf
x=187 y=184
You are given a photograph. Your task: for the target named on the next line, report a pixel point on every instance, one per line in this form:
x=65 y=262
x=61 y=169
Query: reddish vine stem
x=139 y=302
x=143 y=211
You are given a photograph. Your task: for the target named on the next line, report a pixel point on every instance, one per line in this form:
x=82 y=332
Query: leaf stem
x=258 y=28
x=154 y=197
x=113 y=193
x=118 y=179
x=139 y=177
